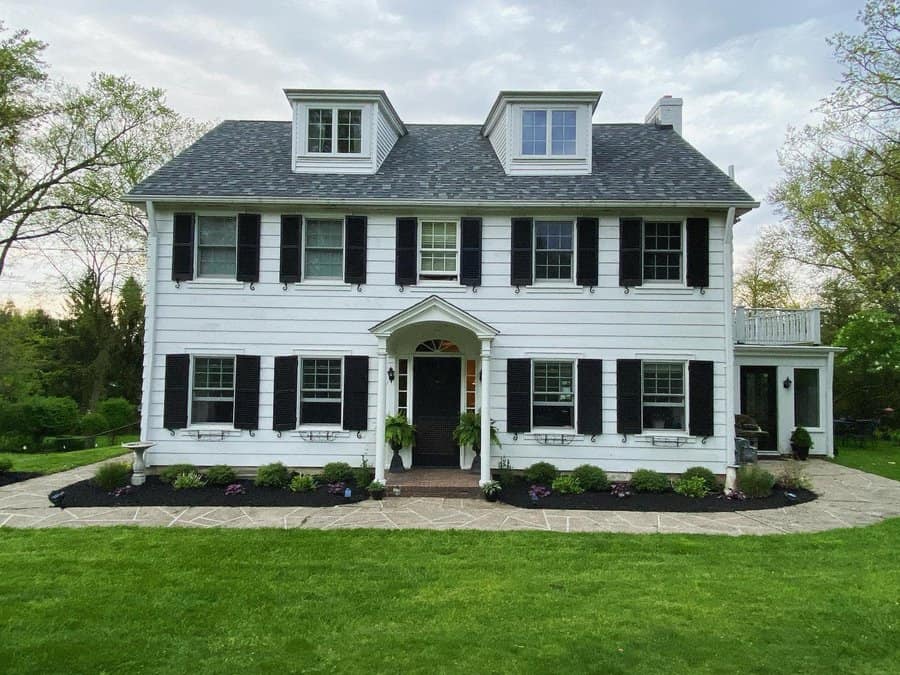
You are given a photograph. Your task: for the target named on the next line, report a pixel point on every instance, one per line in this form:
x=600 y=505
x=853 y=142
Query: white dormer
x=538 y=133
x=342 y=130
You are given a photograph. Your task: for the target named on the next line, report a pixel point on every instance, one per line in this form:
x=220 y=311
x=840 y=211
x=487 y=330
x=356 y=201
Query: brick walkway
x=849 y=498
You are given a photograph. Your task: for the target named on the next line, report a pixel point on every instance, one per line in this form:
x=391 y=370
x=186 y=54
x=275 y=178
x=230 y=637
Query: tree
x=764 y=280
x=21 y=75
x=128 y=348
x=867 y=376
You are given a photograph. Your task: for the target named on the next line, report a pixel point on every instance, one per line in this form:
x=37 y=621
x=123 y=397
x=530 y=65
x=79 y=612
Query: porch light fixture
x=391 y=374
x=787 y=383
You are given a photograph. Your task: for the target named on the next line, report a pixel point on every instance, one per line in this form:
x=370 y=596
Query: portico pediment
x=434 y=309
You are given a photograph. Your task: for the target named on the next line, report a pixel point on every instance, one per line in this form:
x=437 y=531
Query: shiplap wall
x=227 y=317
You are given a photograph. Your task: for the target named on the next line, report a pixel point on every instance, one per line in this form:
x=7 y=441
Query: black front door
x=435 y=410
x=759 y=388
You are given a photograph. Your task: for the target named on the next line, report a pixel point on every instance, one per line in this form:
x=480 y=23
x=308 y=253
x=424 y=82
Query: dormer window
x=559 y=135
x=324 y=136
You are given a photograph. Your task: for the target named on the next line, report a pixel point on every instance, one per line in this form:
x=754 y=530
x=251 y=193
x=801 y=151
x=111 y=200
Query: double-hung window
x=663 y=395
x=323 y=253
x=320 y=384
x=553 y=401
x=806 y=397
x=334 y=131
x=216 y=246
x=662 y=251
x=212 y=393
x=553 y=250
x=439 y=250
x=549 y=133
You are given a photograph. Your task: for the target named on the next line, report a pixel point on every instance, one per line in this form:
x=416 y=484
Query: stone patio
x=848 y=498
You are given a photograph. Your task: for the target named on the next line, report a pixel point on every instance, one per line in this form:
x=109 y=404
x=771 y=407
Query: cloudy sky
x=746 y=71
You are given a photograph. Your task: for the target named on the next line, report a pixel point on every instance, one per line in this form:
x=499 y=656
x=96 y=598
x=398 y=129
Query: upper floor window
x=212 y=393
x=216 y=246
x=662 y=251
x=439 y=251
x=553 y=400
x=559 y=136
x=663 y=395
x=553 y=250
x=323 y=253
x=331 y=130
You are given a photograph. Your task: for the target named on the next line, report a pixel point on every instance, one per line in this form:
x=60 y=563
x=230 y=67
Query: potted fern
x=398 y=433
x=801 y=442
x=468 y=434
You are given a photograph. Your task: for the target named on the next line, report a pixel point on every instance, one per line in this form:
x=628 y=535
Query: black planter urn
x=396 y=460
x=476 y=461
x=800 y=452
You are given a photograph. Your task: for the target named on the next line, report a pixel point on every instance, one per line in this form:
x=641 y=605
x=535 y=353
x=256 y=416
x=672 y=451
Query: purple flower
x=537 y=492
x=336 y=488
x=122 y=491
x=620 y=490
x=234 y=489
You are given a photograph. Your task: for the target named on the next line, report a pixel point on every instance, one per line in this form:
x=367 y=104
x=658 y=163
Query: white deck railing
x=777 y=326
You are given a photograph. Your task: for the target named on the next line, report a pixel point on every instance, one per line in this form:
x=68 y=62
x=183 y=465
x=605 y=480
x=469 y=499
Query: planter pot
x=800 y=452
x=377 y=495
x=476 y=461
x=396 y=460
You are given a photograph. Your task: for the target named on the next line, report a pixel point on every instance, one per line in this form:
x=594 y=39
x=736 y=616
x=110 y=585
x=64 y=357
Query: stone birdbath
x=138 y=448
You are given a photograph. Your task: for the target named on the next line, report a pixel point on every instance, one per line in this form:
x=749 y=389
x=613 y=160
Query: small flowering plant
x=337 y=488
x=234 y=489
x=537 y=492
x=620 y=490
x=122 y=491
x=736 y=495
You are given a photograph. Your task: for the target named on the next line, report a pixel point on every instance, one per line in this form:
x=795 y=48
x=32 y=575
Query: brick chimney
x=666 y=110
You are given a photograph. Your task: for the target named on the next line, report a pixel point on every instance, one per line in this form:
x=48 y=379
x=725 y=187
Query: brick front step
x=433 y=483
x=433 y=491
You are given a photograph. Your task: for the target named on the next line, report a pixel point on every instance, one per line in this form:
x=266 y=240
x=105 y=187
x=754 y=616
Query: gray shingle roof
x=631 y=162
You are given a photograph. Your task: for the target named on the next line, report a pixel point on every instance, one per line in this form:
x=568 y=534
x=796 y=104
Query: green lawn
x=881 y=457
x=223 y=601
x=53 y=462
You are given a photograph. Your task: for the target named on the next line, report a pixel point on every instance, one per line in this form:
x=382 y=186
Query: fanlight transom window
x=441 y=346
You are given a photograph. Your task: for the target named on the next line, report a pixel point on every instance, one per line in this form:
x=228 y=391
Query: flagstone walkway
x=848 y=498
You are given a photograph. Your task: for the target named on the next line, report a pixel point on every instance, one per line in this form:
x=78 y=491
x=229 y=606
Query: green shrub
x=93 y=423
x=39 y=416
x=694 y=486
x=754 y=481
x=273 y=475
x=335 y=472
x=791 y=476
x=112 y=475
x=592 y=478
x=647 y=480
x=220 y=474
x=567 y=485
x=67 y=443
x=303 y=483
x=191 y=479
x=542 y=473
x=505 y=475
x=5 y=464
x=362 y=476
x=170 y=473
x=119 y=412
x=709 y=478
x=17 y=442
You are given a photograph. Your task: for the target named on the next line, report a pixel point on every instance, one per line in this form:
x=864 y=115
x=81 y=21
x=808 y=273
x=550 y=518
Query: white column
x=485 y=411
x=380 y=407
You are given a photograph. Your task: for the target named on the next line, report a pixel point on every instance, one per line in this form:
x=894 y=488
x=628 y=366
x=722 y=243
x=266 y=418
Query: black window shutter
x=588 y=251
x=518 y=395
x=698 y=252
x=248 y=247
x=405 y=256
x=628 y=396
x=470 y=265
x=590 y=396
x=284 y=404
x=246 y=392
x=356 y=228
x=630 y=251
x=356 y=393
x=522 y=252
x=291 y=247
x=175 y=405
x=183 y=247
x=700 y=382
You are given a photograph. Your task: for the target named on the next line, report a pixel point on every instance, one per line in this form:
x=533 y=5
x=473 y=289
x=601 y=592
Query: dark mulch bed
x=156 y=493
x=517 y=495
x=11 y=477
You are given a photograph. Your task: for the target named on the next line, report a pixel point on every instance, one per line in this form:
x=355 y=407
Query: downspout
x=149 y=320
x=728 y=251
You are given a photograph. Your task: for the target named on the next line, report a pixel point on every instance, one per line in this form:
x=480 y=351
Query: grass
x=214 y=601
x=54 y=462
x=880 y=457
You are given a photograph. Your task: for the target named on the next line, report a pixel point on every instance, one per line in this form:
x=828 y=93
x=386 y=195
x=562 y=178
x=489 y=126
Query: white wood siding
x=228 y=317
x=385 y=137
x=500 y=139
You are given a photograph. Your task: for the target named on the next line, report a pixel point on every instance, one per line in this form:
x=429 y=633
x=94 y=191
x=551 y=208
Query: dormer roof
x=350 y=95
x=537 y=97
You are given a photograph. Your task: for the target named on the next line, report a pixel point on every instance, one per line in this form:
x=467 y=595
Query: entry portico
x=429 y=330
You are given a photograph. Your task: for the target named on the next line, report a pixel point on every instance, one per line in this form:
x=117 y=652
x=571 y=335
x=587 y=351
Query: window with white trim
x=212 y=391
x=662 y=251
x=556 y=139
x=320 y=391
x=439 y=250
x=553 y=394
x=471 y=368
x=326 y=137
x=216 y=246
x=663 y=395
x=806 y=397
x=323 y=249
x=403 y=387
x=554 y=251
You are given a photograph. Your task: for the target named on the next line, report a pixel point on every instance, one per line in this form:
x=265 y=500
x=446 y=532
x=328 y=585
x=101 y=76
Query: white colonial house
x=570 y=281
